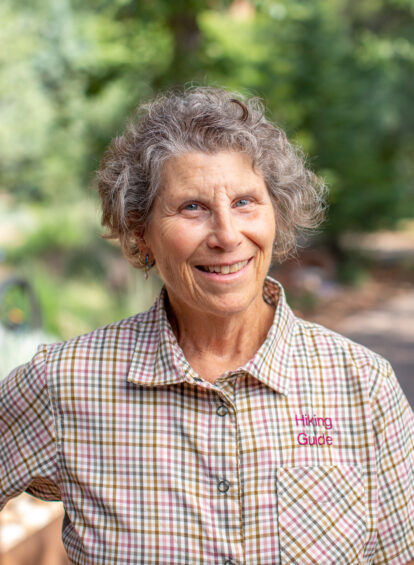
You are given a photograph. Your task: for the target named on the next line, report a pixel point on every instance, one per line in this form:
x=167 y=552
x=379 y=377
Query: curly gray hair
x=207 y=119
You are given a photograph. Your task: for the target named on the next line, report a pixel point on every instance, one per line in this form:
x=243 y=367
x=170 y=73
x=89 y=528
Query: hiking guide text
x=315 y=421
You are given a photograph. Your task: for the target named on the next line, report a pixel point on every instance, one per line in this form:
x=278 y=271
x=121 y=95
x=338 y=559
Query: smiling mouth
x=223 y=269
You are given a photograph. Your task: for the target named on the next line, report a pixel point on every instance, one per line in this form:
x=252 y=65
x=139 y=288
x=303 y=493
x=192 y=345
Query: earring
x=146 y=268
x=275 y=244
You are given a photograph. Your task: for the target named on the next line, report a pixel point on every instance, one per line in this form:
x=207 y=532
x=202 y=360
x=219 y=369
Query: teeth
x=226 y=269
x=238 y=266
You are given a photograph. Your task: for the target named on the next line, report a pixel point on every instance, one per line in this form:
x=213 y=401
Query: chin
x=230 y=307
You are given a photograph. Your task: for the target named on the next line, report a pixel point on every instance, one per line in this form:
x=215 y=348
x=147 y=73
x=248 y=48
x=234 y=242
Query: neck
x=232 y=339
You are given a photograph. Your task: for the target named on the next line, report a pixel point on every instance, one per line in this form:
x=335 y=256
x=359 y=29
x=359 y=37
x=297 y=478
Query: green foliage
x=337 y=75
x=58 y=229
x=75 y=305
x=68 y=81
x=353 y=270
x=74 y=273
x=339 y=78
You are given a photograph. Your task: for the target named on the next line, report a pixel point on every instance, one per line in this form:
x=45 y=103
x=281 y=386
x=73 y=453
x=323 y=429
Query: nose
x=225 y=232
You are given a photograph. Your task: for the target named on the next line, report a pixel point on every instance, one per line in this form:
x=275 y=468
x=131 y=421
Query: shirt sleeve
x=394 y=431
x=28 y=460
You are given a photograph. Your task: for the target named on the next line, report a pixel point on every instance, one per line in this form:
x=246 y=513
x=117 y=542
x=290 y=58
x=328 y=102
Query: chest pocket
x=321 y=514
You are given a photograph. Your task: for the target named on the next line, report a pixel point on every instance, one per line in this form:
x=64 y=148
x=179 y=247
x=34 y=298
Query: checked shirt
x=305 y=455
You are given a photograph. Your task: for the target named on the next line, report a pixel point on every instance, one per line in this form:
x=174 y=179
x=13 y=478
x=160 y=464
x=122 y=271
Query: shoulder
x=321 y=354
x=338 y=353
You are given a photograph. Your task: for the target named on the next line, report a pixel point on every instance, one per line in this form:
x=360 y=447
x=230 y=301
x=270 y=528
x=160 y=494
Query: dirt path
x=381 y=318
x=389 y=330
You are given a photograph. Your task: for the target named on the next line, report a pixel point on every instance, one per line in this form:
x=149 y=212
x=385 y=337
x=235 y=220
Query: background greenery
x=336 y=74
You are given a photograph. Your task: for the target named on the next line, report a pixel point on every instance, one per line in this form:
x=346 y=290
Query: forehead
x=201 y=170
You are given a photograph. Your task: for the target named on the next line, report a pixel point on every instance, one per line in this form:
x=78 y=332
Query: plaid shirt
x=304 y=455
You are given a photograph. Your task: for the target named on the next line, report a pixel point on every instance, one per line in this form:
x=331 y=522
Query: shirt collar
x=159 y=360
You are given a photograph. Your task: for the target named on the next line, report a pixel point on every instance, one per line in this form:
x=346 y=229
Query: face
x=211 y=233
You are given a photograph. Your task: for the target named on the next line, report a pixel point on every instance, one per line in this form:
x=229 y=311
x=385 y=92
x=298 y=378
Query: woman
x=216 y=427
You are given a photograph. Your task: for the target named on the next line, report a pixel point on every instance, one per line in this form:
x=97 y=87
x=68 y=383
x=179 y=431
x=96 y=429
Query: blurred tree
x=68 y=77
x=337 y=74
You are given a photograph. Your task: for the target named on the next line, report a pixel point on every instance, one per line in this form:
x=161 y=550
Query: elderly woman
x=216 y=427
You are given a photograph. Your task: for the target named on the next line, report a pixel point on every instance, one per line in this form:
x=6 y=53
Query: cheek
x=167 y=240
x=173 y=246
x=264 y=231
x=176 y=273
x=173 y=249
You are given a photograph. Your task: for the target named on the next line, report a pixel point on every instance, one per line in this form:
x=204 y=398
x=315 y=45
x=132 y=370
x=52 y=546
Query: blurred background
x=337 y=75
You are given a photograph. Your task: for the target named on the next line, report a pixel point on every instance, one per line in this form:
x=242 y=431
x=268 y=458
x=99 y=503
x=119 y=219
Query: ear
x=141 y=241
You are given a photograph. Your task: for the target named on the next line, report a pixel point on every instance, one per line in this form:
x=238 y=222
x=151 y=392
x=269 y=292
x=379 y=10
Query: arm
x=28 y=446
x=393 y=422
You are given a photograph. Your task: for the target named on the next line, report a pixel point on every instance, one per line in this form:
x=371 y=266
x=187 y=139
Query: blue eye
x=191 y=206
x=242 y=202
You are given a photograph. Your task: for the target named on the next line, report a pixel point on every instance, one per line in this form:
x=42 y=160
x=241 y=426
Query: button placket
x=223 y=437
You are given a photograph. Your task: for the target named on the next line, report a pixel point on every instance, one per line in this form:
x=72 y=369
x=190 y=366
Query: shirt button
x=222 y=410
x=230 y=562
x=223 y=486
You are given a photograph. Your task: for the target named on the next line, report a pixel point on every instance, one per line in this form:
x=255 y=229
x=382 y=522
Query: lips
x=223 y=269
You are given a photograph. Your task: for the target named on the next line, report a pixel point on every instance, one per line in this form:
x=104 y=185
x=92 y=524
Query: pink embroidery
x=315 y=421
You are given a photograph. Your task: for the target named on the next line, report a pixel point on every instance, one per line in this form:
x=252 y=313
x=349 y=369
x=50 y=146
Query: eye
x=192 y=206
x=192 y=209
x=242 y=202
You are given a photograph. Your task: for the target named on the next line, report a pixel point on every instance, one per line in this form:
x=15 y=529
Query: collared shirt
x=305 y=455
